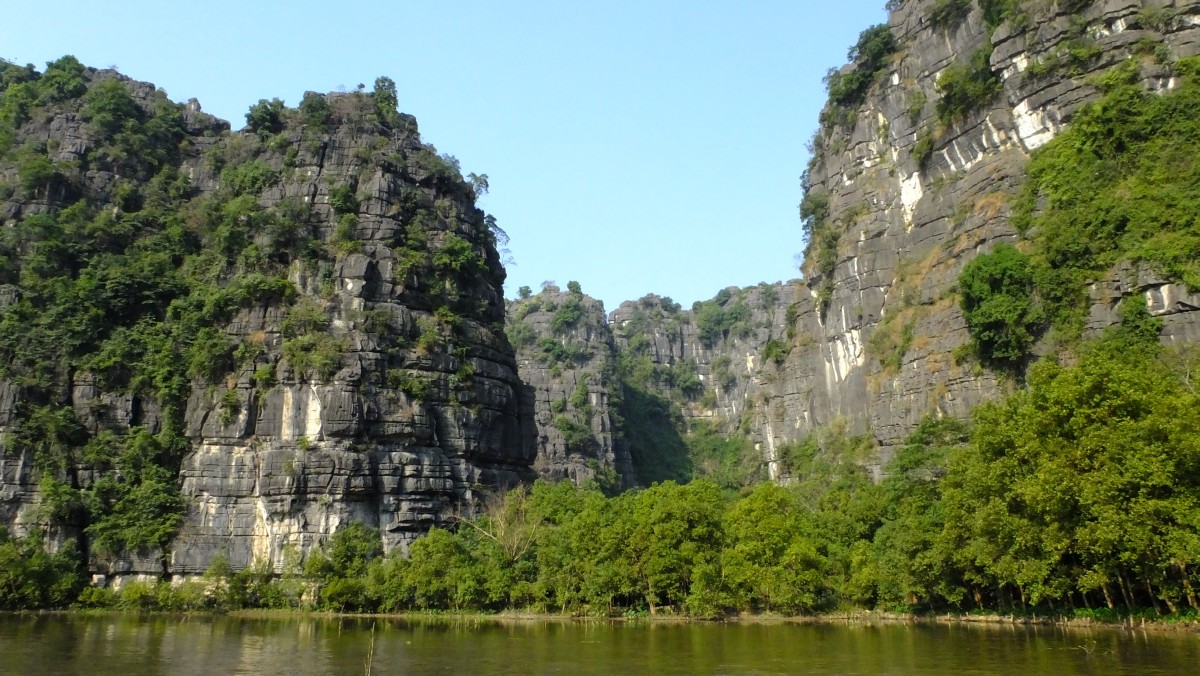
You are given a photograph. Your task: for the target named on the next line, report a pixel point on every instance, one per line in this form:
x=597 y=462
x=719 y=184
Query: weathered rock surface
x=880 y=356
x=565 y=357
x=421 y=412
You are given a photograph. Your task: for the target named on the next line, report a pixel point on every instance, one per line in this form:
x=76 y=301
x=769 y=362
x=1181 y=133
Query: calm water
x=131 y=646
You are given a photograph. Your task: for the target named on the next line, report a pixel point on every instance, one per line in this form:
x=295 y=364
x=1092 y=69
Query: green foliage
x=443 y=169
x=870 y=55
x=719 y=318
x=386 y=101
x=108 y=106
x=996 y=12
x=730 y=462
x=890 y=340
x=347 y=554
x=554 y=352
x=520 y=334
x=63 y=80
x=411 y=383
x=821 y=237
x=315 y=112
x=139 y=507
x=458 y=259
x=1156 y=18
x=248 y=178
x=916 y=105
x=524 y=292
x=574 y=287
x=1083 y=482
x=999 y=306
x=577 y=436
x=31 y=578
x=580 y=395
x=923 y=149
x=567 y=315
x=345 y=235
x=1116 y=185
x=342 y=200
x=266 y=118
x=771 y=562
x=947 y=13
x=35 y=171
x=314 y=355
x=776 y=351
x=965 y=88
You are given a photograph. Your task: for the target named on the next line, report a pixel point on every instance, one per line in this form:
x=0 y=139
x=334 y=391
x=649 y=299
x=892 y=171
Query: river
x=127 y=645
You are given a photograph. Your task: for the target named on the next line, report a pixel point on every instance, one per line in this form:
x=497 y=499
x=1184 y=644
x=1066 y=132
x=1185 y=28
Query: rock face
x=378 y=386
x=565 y=357
x=882 y=354
x=867 y=341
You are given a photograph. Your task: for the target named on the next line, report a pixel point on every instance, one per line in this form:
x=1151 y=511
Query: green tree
x=997 y=299
x=772 y=561
x=666 y=533
x=386 y=100
x=266 y=118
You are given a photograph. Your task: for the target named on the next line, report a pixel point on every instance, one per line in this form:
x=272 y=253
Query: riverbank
x=848 y=618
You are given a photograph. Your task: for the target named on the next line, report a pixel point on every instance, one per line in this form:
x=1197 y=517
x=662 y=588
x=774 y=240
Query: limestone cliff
x=912 y=185
x=917 y=188
x=347 y=363
x=565 y=357
x=228 y=344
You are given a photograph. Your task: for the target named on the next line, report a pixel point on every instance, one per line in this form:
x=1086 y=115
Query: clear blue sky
x=633 y=146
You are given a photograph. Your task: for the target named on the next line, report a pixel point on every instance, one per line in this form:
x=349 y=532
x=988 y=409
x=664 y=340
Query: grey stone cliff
x=420 y=414
x=878 y=354
x=565 y=355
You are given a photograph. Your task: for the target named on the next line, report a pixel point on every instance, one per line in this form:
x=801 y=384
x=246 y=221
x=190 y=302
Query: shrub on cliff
x=266 y=117
x=967 y=87
x=869 y=54
x=998 y=305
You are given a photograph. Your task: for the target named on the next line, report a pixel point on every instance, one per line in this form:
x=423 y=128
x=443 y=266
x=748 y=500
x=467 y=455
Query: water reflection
x=300 y=646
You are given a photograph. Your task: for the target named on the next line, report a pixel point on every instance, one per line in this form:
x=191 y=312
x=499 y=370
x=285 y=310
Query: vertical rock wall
x=395 y=403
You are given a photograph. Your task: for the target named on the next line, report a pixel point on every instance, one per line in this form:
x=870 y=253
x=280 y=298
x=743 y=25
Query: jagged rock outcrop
x=869 y=338
x=565 y=358
x=911 y=217
x=369 y=375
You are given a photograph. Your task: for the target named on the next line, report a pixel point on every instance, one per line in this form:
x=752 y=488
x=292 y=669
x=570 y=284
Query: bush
x=315 y=111
x=567 y=315
x=870 y=55
x=107 y=106
x=923 y=149
x=30 y=578
x=576 y=435
x=265 y=118
x=248 y=178
x=314 y=355
x=965 y=88
x=998 y=305
x=342 y=200
x=776 y=351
